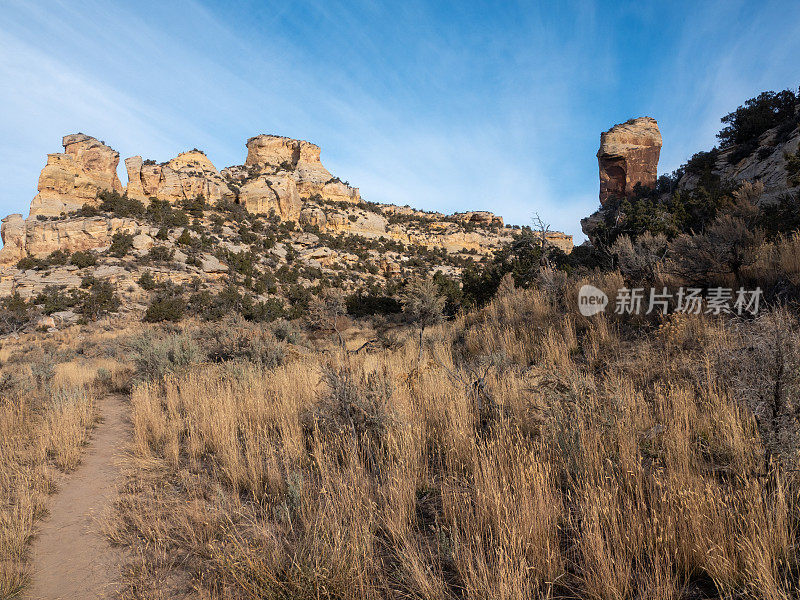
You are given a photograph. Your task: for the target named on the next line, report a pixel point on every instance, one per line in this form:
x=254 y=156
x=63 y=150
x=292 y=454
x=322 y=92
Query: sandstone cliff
x=74 y=177
x=188 y=175
x=36 y=238
x=281 y=176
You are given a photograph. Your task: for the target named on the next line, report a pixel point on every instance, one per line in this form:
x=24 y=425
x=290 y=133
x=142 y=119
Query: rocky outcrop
x=187 y=176
x=73 y=178
x=276 y=161
x=628 y=155
x=766 y=163
x=480 y=217
x=313 y=216
x=282 y=176
x=12 y=232
x=562 y=241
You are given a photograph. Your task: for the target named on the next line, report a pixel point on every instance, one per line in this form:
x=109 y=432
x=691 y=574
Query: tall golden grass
x=533 y=454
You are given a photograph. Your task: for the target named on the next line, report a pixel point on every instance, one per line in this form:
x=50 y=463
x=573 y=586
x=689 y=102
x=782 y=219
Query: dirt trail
x=71 y=557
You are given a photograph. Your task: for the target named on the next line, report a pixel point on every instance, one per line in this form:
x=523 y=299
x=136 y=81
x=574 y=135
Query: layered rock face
x=480 y=217
x=37 y=238
x=264 y=193
x=628 y=155
x=188 y=175
x=562 y=241
x=74 y=177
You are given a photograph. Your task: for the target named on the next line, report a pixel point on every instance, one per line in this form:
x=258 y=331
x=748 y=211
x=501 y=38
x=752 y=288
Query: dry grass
x=531 y=455
x=47 y=409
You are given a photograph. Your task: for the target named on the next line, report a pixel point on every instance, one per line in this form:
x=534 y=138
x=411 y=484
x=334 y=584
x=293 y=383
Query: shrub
x=185 y=239
x=119 y=205
x=236 y=339
x=100 y=299
x=156 y=356
x=58 y=258
x=15 y=314
x=160 y=254
x=356 y=405
x=121 y=244
x=640 y=261
x=718 y=255
x=781 y=217
x=363 y=305
x=450 y=290
x=53 y=299
x=147 y=281
x=286 y=331
x=87 y=210
x=793 y=168
x=161 y=212
x=165 y=307
x=195 y=207
x=28 y=262
x=748 y=122
x=83 y=259
x=264 y=311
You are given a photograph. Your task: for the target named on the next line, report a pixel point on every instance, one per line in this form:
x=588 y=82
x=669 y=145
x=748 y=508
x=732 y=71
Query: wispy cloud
x=444 y=106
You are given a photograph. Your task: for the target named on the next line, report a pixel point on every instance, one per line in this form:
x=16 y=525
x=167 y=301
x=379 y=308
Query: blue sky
x=443 y=106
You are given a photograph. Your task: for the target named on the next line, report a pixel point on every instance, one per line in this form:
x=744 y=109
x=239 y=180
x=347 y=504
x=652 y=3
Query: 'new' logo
x=591 y=300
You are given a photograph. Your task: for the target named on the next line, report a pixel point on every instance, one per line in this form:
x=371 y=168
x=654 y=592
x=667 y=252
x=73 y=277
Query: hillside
x=271 y=232
x=759 y=144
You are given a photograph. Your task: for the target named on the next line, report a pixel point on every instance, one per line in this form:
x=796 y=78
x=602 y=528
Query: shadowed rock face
x=628 y=155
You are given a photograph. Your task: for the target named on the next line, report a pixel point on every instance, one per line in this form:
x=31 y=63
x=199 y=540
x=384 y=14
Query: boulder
x=73 y=178
x=628 y=155
x=143 y=242
x=211 y=264
x=66 y=317
x=45 y=323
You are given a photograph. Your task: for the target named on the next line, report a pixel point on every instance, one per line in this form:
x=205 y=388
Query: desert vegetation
x=323 y=414
x=529 y=453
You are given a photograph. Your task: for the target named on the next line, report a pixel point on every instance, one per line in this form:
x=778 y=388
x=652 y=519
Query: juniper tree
x=423 y=305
